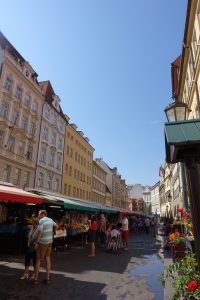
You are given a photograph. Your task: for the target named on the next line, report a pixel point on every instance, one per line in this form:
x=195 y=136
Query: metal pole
x=183 y=185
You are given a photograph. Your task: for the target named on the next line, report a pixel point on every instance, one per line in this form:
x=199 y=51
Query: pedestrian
x=102 y=230
x=92 y=235
x=44 y=244
x=125 y=231
x=31 y=251
x=147 y=225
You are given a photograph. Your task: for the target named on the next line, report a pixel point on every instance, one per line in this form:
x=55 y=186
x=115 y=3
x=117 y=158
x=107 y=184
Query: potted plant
x=177 y=244
x=185 y=276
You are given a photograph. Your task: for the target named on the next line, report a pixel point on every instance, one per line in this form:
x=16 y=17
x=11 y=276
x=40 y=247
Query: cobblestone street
x=128 y=275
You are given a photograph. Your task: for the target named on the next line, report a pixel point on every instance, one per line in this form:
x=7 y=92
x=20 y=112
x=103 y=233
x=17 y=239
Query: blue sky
x=110 y=63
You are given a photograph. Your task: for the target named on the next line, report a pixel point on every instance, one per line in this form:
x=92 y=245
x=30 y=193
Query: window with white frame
x=18 y=92
x=17 y=175
x=32 y=129
x=8 y=84
x=6 y=173
x=60 y=144
x=14 y=119
x=47 y=113
x=45 y=133
x=11 y=144
x=20 y=149
x=58 y=166
x=43 y=154
x=52 y=158
x=49 y=182
x=53 y=138
x=57 y=185
x=1 y=138
x=26 y=179
x=41 y=180
x=24 y=123
x=30 y=152
x=4 y=107
x=35 y=106
x=27 y=100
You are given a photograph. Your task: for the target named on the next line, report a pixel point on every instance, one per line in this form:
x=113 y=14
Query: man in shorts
x=44 y=244
x=125 y=231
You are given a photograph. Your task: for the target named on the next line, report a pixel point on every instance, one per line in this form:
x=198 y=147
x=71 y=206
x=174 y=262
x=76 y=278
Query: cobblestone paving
x=77 y=277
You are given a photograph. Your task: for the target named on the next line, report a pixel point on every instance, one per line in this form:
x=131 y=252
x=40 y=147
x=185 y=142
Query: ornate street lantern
x=177 y=111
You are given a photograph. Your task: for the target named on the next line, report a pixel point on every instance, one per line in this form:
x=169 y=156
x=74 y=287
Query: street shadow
x=61 y=287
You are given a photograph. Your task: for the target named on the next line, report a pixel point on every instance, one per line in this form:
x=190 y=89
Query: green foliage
x=185 y=277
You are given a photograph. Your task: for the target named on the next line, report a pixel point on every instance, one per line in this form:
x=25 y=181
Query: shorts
x=125 y=235
x=43 y=250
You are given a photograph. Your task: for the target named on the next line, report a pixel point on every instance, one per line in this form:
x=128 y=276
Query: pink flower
x=192 y=286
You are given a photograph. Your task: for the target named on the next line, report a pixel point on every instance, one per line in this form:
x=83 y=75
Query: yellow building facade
x=98 y=184
x=77 y=165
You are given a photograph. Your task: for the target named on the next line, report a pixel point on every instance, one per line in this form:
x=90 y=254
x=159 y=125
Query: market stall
x=16 y=205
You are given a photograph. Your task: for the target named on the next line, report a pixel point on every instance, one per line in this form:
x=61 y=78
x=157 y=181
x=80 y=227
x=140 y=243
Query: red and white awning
x=12 y=194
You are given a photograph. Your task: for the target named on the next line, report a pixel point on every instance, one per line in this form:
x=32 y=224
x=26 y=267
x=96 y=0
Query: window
x=65 y=189
x=60 y=144
x=66 y=169
x=20 y=149
x=58 y=163
x=24 y=123
x=61 y=127
x=57 y=184
x=8 y=84
x=30 y=152
x=18 y=93
x=26 y=179
x=49 y=182
x=27 y=100
x=6 y=173
x=35 y=107
x=4 y=110
x=45 y=134
x=54 y=139
x=14 y=117
x=1 y=138
x=69 y=190
x=11 y=143
x=32 y=129
x=47 y=113
x=52 y=158
x=17 y=176
x=43 y=155
x=41 y=180
x=70 y=171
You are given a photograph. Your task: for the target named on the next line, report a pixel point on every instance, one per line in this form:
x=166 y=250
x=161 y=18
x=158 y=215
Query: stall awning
x=74 y=204
x=182 y=139
x=12 y=194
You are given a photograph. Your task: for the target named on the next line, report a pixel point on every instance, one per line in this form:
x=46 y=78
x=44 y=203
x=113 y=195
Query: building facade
x=77 y=173
x=21 y=102
x=155 y=199
x=98 y=184
x=116 y=185
x=51 y=146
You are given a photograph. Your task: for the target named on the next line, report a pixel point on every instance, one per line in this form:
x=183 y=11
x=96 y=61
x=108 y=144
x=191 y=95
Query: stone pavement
x=128 y=275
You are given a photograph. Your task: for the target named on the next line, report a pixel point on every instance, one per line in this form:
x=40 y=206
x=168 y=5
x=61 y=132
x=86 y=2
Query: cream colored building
x=77 y=166
x=21 y=102
x=98 y=184
x=116 y=185
x=51 y=146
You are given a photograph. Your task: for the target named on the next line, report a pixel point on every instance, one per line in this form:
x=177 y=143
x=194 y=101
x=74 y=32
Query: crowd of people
x=111 y=231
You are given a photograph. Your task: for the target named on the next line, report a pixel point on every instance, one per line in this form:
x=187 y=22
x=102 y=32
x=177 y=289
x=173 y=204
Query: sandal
x=46 y=281
x=35 y=281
